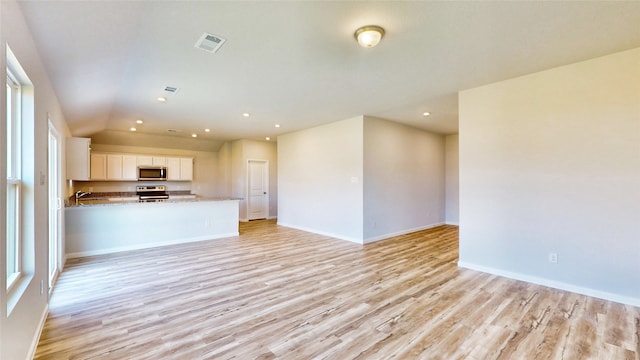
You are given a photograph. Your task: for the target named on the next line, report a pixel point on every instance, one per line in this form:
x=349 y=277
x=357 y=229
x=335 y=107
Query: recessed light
x=246 y=114
x=194 y=135
x=133 y=129
x=267 y=138
x=207 y=130
x=426 y=113
x=162 y=98
x=277 y=125
x=139 y=121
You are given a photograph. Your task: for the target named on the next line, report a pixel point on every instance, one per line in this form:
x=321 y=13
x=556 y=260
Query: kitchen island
x=104 y=226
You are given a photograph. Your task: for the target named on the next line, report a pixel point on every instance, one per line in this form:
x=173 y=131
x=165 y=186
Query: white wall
x=223 y=174
x=404 y=172
x=205 y=169
x=20 y=328
x=320 y=174
x=238 y=179
x=263 y=150
x=550 y=162
x=233 y=158
x=451 y=180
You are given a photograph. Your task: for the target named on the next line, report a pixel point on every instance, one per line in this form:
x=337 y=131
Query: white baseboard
x=319 y=232
x=452 y=223
x=148 y=245
x=553 y=284
x=272 y=217
x=36 y=337
x=398 y=233
x=358 y=241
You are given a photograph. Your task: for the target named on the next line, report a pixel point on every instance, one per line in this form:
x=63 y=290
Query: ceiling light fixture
x=194 y=135
x=267 y=138
x=207 y=130
x=133 y=129
x=426 y=113
x=139 y=121
x=277 y=125
x=369 y=36
x=162 y=99
x=246 y=114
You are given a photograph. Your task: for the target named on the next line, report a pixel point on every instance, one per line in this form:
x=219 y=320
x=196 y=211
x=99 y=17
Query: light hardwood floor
x=279 y=293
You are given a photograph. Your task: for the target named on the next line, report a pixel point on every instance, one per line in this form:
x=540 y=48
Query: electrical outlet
x=553 y=258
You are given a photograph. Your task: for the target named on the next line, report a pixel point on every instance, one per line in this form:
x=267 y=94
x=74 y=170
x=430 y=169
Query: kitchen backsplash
x=127 y=186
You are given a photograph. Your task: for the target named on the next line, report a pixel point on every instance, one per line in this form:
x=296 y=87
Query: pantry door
x=258 y=185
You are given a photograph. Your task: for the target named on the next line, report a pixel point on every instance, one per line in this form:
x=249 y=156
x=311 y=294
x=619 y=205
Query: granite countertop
x=133 y=200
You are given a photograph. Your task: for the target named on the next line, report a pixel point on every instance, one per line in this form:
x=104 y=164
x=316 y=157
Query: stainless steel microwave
x=153 y=173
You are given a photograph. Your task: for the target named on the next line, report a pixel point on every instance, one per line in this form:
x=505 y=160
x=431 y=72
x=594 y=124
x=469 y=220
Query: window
x=14 y=183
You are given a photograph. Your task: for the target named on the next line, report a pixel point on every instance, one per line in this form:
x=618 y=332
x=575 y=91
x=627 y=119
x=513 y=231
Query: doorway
x=55 y=205
x=258 y=186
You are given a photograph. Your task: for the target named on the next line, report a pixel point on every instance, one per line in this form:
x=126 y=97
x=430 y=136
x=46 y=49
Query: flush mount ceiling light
x=369 y=36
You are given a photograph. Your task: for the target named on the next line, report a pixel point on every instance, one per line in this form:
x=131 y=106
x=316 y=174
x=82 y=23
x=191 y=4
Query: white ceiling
x=297 y=63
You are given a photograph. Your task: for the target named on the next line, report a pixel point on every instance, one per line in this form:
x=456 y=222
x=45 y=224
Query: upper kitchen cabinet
x=98 y=166
x=77 y=154
x=107 y=166
x=129 y=167
x=179 y=169
x=122 y=167
x=113 y=167
x=152 y=160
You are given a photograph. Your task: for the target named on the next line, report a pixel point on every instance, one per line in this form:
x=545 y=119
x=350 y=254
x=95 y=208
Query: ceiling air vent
x=210 y=43
x=171 y=89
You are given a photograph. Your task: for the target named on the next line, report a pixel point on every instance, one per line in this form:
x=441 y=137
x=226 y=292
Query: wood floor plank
x=279 y=293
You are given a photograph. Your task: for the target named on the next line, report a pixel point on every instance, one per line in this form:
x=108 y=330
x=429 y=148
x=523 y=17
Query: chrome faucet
x=80 y=194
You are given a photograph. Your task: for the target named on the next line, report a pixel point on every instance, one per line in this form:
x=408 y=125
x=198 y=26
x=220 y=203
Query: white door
x=258 y=184
x=55 y=205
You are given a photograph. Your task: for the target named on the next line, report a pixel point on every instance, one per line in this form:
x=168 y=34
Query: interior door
x=258 y=184
x=55 y=205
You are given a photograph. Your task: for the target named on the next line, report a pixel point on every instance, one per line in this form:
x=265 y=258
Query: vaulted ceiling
x=297 y=64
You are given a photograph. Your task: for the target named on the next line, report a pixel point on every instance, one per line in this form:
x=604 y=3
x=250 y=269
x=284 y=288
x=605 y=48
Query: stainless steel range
x=155 y=193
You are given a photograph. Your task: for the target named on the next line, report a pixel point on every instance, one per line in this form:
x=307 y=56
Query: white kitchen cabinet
x=129 y=167
x=151 y=160
x=98 y=166
x=173 y=168
x=179 y=169
x=114 y=167
x=124 y=167
x=159 y=161
x=78 y=158
x=145 y=160
x=186 y=169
